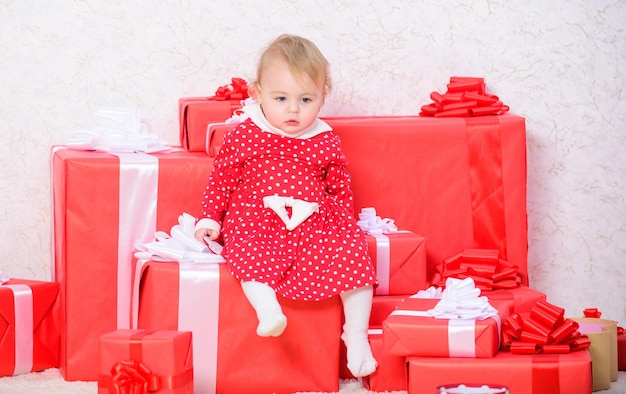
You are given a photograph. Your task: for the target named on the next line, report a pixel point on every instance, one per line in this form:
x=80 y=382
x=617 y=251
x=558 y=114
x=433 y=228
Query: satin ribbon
x=383 y=263
x=592 y=312
x=237 y=89
x=118 y=129
x=180 y=245
x=24 y=327
x=370 y=223
x=545 y=330
x=139 y=179
x=484 y=266
x=465 y=97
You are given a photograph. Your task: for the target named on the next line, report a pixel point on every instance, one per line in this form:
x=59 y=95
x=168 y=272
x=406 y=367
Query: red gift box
x=400 y=260
x=522 y=374
x=458 y=182
x=196 y=114
x=523 y=298
x=161 y=359
x=411 y=331
x=207 y=299
x=29 y=338
x=621 y=349
x=103 y=205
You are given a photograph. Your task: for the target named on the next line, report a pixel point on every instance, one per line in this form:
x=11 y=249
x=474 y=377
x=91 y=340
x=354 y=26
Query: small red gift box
x=103 y=205
x=522 y=374
x=411 y=331
x=400 y=259
x=229 y=357
x=145 y=361
x=196 y=114
x=621 y=349
x=29 y=338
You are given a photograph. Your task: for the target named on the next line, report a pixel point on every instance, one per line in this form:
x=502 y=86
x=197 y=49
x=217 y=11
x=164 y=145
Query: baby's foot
x=361 y=361
x=272 y=326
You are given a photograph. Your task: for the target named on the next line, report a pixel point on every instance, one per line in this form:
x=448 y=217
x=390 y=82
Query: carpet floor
x=50 y=381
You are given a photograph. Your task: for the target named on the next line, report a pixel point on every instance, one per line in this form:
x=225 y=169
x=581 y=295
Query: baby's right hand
x=200 y=233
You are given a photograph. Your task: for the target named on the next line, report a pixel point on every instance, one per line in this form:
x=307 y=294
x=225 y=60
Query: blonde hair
x=302 y=56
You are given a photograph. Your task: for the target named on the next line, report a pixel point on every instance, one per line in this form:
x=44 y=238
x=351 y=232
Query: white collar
x=255 y=113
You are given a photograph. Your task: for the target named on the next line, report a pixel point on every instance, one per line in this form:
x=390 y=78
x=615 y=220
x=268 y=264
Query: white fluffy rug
x=50 y=381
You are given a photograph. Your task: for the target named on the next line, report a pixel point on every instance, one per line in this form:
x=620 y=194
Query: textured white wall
x=561 y=64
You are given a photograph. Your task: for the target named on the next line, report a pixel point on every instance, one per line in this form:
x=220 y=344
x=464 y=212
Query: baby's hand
x=206 y=232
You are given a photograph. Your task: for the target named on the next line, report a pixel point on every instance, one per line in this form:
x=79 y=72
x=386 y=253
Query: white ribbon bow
x=118 y=129
x=372 y=224
x=300 y=209
x=239 y=115
x=461 y=300
x=180 y=245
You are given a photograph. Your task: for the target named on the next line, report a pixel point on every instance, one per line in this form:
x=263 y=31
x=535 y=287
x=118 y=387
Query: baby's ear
x=253 y=91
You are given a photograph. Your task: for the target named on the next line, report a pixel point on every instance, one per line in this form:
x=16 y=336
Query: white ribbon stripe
x=24 y=326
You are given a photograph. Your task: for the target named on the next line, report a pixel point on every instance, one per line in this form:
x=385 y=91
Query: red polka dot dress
x=327 y=253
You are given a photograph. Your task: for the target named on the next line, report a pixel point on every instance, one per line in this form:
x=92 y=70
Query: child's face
x=290 y=104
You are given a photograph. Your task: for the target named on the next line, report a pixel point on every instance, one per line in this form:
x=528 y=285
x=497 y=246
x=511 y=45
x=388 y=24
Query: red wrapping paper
x=86 y=193
x=428 y=336
x=621 y=349
x=522 y=374
x=400 y=260
x=473 y=195
x=165 y=358
x=303 y=358
x=196 y=113
x=45 y=336
x=522 y=297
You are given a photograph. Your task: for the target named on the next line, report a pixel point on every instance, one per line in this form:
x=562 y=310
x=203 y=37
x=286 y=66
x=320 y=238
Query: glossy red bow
x=133 y=377
x=465 y=97
x=543 y=331
x=236 y=90
x=488 y=270
x=592 y=312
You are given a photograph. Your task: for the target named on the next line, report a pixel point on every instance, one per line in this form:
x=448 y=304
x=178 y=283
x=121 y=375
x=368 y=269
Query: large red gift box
x=400 y=260
x=458 y=182
x=103 y=205
x=196 y=113
x=29 y=338
x=522 y=374
x=161 y=359
x=207 y=299
x=411 y=331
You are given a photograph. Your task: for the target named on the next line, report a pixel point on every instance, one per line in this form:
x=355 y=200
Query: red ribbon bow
x=236 y=90
x=465 y=97
x=543 y=331
x=592 y=312
x=484 y=266
x=133 y=377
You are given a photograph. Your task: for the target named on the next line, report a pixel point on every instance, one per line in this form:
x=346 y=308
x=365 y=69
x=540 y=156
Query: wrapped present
x=460 y=324
x=522 y=374
x=206 y=299
x=621 y=349
x=195 y=114
x=602 y=347
x=145 y=361
x=29 y=330
x=390 y=375
x=103 y=204
x=400 y=260
x=522 y=297
x=473 y=195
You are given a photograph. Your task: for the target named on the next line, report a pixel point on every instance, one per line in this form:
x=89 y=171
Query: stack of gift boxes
x=441 y=197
